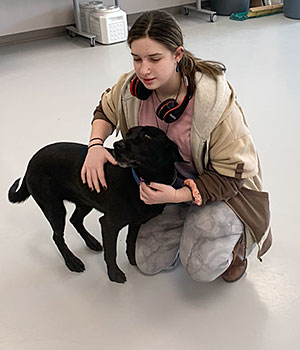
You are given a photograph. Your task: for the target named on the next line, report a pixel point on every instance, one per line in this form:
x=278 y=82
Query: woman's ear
x=179 y=53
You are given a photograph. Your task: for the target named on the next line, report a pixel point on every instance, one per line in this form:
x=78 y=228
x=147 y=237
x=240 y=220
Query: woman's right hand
x=93 y=167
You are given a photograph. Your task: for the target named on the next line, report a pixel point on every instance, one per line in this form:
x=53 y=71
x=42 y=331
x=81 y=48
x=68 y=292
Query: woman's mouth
x=148 y=81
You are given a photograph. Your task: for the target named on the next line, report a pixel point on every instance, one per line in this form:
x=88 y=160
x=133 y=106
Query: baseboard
x=32 y=35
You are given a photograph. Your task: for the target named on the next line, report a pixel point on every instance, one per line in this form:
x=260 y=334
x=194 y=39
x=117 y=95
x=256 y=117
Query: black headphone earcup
x=138 y=89
x=167 y=110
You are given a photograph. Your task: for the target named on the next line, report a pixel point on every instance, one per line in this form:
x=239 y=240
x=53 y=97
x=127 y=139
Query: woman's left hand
x=156 y=193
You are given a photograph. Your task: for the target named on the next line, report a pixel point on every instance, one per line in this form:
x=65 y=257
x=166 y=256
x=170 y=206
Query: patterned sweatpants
x=202 y=237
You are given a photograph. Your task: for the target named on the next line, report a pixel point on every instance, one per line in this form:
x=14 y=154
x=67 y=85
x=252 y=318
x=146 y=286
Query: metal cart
x=197 y=7
x=74 y=31
x=77 y=30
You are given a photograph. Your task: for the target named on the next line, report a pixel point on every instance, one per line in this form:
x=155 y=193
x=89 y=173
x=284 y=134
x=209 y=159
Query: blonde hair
x=163 y=28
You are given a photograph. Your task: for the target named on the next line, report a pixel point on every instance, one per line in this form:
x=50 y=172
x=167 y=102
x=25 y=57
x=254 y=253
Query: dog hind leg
x=55 y=212
x=76 y=220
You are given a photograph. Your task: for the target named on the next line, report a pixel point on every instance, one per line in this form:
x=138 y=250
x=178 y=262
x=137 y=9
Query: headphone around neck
x=169 y=110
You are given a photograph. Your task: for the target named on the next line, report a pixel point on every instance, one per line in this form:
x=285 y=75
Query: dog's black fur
x=53 y=175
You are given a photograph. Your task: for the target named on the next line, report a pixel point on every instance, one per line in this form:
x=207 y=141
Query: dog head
x=149 y=151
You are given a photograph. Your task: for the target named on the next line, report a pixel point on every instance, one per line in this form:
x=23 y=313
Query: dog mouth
x=128 y=164
x=125 y=162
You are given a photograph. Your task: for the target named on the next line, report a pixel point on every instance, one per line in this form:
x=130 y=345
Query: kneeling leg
x=209 y=236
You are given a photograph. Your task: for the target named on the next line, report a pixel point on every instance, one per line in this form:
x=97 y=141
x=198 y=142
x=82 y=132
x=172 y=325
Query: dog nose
x=119 y=145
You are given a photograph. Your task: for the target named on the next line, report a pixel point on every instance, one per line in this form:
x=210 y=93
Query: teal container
x=291 y=9
x=227 y=7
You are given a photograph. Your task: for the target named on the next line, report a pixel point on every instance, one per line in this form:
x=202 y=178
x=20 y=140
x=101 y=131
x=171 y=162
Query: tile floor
x=48 y=91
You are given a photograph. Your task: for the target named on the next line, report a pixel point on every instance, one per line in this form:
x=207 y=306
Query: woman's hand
x=93 y=168
x=156 y=193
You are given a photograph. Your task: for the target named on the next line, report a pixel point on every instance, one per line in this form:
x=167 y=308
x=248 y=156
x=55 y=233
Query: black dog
x=53 y=175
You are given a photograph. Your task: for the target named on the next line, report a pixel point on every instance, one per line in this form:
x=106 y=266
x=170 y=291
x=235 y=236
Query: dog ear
x=174 y=152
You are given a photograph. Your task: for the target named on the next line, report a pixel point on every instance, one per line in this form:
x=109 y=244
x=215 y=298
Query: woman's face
x=154 y=64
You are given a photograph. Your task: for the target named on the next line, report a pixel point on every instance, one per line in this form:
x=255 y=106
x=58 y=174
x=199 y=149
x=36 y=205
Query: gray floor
x=48 y=92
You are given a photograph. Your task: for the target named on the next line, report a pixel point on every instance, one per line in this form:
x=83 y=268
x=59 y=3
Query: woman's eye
x=137 y=59
x=155 y=59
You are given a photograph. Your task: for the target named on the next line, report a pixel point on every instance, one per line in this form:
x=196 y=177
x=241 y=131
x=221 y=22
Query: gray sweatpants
x=202 y=237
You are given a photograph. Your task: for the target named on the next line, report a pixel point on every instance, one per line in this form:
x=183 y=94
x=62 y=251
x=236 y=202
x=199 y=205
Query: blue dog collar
x=136 y=178
x=177 y=182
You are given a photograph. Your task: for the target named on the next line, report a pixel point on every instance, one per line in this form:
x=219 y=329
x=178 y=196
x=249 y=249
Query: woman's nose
x=145 y=68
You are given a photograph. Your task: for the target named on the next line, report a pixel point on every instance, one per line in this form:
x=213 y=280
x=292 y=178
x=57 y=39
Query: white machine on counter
x=108 y=25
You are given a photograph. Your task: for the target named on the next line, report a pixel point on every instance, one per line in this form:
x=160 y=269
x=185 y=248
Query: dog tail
x=20 y=195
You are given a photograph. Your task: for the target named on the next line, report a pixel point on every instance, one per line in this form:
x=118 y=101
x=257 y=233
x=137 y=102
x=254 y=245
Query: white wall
x=17 y=16
x=134 y=6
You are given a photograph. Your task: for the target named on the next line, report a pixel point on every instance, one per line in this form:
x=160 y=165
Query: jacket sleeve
x=231 y=150
x=215 y=187
x=232 y=158
x=109 y=103
x=99 y=114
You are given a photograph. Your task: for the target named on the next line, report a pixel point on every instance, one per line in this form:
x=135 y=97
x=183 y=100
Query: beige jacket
x=220 y=140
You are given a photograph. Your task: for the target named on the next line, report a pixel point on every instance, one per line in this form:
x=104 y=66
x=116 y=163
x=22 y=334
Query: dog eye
x=147 y=137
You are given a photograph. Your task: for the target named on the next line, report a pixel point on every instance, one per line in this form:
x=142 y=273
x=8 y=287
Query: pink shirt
x=178 y=131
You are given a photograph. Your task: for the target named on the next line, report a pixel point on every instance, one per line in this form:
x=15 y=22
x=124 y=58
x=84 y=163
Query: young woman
x=217 y=213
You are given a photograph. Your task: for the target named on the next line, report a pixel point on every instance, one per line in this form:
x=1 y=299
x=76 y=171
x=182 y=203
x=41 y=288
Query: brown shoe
x=239 y=263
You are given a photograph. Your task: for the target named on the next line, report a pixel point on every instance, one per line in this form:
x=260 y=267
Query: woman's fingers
x=92 y=171
x=89 y=179
x=111 y=159
x=156 y=193
x=83 y=174
x=101 y=177
x=146 y=193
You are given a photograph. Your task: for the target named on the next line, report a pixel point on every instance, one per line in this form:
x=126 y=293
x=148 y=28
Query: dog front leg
x=110 y=234
x=133 y=231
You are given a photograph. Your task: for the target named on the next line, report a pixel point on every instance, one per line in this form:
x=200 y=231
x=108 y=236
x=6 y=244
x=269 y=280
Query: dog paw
x=117 y=276
x=76 y=265
x=93 y=244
